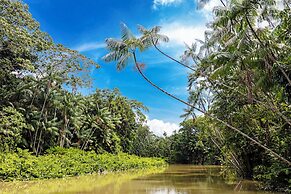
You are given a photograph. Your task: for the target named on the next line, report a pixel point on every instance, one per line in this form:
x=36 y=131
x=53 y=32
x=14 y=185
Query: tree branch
x=211 y=116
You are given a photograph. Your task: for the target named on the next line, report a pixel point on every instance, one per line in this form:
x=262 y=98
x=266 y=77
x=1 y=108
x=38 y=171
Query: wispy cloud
x=159 y=127
x=207 y=9
x=89 y=46
x=159 y=3
x=180 y=33
x=187 y=31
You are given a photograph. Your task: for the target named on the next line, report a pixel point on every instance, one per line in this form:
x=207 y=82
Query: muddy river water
x=175 y=179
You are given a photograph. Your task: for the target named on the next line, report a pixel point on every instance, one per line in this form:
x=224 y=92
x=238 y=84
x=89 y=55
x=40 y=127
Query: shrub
x=61 y=162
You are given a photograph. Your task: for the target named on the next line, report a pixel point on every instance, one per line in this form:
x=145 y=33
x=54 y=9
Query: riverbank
x=60 y=162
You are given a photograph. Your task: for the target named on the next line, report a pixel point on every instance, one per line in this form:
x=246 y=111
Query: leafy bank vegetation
x=60 y=162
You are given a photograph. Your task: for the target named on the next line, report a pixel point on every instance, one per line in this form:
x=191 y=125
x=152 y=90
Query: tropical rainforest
x=238 y=112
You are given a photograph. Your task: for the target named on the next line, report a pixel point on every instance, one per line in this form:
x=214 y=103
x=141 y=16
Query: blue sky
x=85 y=24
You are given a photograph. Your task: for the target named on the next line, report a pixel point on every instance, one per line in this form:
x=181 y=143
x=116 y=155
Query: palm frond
x=151 y=36
x=142 y=29
x=113 y=44
x=162 y=38
x=123 y=60
x=156 y=29
x=111 y=56
x=126 y=34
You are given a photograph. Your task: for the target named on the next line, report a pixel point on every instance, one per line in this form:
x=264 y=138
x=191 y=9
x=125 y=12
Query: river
x=176 y=179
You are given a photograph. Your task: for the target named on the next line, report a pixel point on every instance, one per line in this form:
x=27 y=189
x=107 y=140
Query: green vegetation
x=247 y=70
x=187 y=146
x=37 y=109
x=61 y=162
x=41 y=108
x=239 y=81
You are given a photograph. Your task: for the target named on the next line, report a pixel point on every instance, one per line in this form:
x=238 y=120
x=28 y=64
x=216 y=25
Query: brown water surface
x=176 y=179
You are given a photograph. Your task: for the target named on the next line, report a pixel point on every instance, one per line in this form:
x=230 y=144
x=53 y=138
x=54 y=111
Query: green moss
x=60 y=162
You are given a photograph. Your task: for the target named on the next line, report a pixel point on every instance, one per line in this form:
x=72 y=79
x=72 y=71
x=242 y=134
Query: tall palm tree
x=125 y=49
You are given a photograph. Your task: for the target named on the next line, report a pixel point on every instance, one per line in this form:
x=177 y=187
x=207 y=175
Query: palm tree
x=152 y=37
x=125 y=49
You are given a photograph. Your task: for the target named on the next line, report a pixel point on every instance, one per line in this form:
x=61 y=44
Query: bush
x=12 y=123
x=61 y=162
x=275 y=177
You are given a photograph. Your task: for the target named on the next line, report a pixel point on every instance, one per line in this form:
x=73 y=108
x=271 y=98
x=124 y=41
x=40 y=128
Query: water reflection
x=184 y=179
x=177 y=179
x=81 y=184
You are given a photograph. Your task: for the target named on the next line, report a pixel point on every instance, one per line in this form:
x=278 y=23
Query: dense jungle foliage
x=189 y=145
x=244 y=63
x=41 y=108
x=37 y=109
x=239 y=79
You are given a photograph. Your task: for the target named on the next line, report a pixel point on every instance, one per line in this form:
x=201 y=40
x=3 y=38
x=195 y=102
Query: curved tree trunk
x=268 y=106
x=209 y=115
x=165 y=54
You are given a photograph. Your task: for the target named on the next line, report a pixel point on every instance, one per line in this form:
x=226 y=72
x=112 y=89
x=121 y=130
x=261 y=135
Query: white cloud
x=262 y=24
x=185 y=31
x=180 y=33
x=208 y=7
x=89 y=46
x=158 y=3
x=280 y=4
x=158 y=127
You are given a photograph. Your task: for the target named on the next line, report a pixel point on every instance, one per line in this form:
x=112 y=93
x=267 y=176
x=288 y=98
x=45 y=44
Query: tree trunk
x=209 y=115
